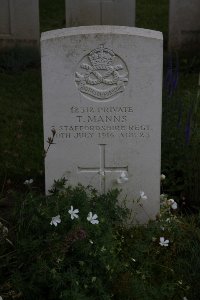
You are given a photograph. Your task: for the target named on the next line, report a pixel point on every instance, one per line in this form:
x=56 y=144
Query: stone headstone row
x=19 y=20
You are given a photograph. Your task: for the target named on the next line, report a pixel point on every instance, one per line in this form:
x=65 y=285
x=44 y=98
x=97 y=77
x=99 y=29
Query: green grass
x=21 y=124
x=179 y=157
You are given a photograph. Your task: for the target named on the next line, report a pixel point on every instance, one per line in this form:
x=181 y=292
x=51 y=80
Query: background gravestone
x=102 y=89
x=184 y=25
x=19 y=22
x=100 y=12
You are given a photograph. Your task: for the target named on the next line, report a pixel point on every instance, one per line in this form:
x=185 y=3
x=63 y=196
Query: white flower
x=143 y=196
x=55 y=220
x=91 y=242
x=172 y=203
x=162 y=177
x=164 y=242
x=92 y=218
x=123 y=177
x=27 y=182
x=73 y=212
x=133 y=259
x=1 y=298
x=168 y=220
x=184 y=298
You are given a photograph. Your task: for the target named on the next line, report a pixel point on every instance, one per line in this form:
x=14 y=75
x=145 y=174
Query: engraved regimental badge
x=101 y=75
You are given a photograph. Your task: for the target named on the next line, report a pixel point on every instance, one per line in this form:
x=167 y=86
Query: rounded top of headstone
x=101 y=29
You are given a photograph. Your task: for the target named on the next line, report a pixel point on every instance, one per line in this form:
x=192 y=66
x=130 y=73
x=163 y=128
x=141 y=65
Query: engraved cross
x=102 y=169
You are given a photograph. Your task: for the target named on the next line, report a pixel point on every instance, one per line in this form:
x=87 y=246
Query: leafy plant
x=65 y=245
x=74 y=244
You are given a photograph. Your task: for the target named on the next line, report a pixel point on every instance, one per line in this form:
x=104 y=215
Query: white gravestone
x=184 y=25
x=100 y=12
x=19 y=23
x=102 y=89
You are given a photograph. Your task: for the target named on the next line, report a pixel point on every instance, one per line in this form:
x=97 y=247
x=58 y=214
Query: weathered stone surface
x=100 y=12
x=102 y=89
x=184 y=25
x=19 y=22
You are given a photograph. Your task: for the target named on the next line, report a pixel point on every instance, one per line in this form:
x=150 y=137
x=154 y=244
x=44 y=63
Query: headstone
x=100 y=12
x=102 y=89
x=184 y=25
x=19 y=23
